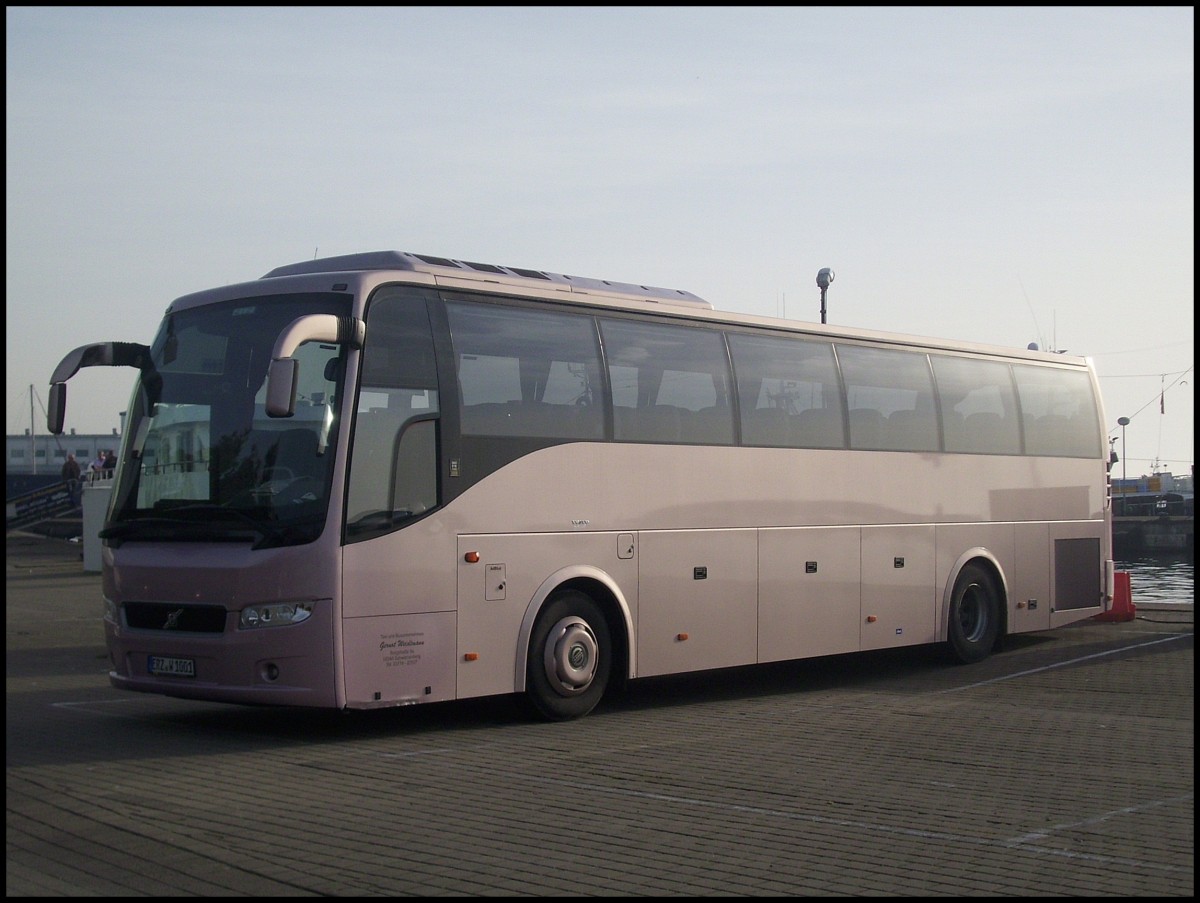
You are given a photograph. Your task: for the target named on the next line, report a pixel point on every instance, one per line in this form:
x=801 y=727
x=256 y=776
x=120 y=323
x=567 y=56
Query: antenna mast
x=32 y=432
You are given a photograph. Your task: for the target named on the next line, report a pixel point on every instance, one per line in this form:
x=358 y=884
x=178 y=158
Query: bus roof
x=442 y=266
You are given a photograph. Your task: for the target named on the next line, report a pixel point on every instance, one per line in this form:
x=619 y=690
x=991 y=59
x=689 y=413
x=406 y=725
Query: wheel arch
x=988 y=561
x=605 y=592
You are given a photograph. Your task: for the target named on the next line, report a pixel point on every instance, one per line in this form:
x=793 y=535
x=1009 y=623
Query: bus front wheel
x=974 y=616
x=570 y=657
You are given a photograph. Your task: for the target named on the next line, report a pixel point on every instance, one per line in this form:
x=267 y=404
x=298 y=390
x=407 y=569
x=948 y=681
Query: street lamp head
x=1123 y=421
x=824 y=277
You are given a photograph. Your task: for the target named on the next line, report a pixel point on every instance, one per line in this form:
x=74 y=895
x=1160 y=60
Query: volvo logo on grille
x=172 y=621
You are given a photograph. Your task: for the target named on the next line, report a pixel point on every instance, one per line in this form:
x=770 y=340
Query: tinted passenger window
x=788 y=390
x=890 y=399
x=1058 y=411
x=979 y=406
x=526 y=373
x=669 y=383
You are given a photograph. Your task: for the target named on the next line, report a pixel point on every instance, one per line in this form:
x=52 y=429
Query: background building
x=44 y=454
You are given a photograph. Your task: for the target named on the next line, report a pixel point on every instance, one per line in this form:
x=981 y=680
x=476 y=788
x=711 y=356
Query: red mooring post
x=1123 y=608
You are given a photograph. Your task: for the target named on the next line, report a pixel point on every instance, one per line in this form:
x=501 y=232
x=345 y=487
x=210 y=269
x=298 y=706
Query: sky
x=1001 y=175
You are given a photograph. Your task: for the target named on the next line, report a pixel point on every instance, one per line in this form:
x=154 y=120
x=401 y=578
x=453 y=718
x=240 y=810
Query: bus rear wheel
x=570 y=657
x=974 y=616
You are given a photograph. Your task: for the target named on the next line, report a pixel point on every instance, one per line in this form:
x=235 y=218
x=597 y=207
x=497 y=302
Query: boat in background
x=1154 y=513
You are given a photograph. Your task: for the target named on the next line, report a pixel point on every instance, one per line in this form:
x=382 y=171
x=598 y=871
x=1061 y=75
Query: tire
x=974 y=625
x=570 y=657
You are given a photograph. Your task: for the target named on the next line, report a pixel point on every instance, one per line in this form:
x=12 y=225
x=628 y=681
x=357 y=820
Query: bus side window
x=979 y=405
x=1059 y=412
x=669 y=383
x=414 y=489
x=394 y=465
x=391 y=475
x=526 y=373
x=890 y=395
x=374 y=435
x=789 y=391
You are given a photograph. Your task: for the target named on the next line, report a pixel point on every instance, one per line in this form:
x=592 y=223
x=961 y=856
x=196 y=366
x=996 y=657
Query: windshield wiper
x=197 y=524
x=172 y=529
x=194 y=522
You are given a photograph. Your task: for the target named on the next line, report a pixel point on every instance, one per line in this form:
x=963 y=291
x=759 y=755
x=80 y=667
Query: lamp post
x=1123 y=422
x=824 y=277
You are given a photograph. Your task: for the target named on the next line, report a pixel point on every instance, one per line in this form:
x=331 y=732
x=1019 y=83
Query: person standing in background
x=70 y=475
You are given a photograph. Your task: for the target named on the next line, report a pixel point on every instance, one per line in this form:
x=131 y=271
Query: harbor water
x=1161 y=579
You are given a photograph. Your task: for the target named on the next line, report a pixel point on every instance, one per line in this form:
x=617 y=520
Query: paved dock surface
x=1062 y=765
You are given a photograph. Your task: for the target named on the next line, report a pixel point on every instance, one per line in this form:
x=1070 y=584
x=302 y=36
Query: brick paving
x=1060 y=766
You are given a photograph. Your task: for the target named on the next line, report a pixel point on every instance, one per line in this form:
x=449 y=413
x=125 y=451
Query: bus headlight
x=277 y=614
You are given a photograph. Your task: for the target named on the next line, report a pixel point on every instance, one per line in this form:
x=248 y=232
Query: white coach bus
x=390 y=478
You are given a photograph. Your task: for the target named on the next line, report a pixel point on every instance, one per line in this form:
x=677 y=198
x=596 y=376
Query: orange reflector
x=681 y=637
x=471 y=557
x=871 y=619
x=470 y=656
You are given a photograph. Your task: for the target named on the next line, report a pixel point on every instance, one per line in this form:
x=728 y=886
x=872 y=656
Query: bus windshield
x=203 y=461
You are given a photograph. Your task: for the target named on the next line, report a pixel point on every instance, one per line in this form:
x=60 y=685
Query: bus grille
x=182 y=618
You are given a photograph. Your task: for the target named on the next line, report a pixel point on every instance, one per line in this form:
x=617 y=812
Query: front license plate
x=171 y=667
